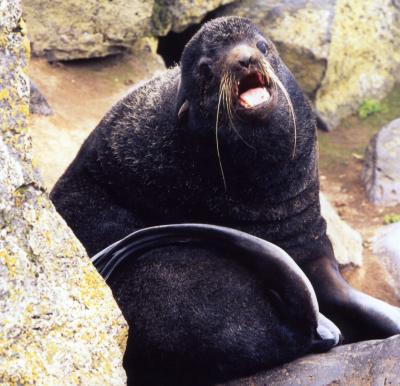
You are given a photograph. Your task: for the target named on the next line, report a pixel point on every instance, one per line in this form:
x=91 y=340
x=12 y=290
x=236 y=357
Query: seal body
x=209 y=303
x=227 y=138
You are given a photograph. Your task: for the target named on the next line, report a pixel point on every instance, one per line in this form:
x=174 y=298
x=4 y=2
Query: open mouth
x=253 y=90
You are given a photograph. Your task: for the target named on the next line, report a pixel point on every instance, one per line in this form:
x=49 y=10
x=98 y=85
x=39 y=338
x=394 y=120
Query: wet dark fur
x=190 y=331
x=141 y=167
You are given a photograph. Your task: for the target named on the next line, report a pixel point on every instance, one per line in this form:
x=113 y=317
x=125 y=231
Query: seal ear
x=182 y=113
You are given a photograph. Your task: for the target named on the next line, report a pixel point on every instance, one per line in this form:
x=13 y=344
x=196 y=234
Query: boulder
x=74 y=29
x=374 y=362
x=386 y=247
x=301 y=30
x=346 y=242
x=381 y=174
x=176 y=15
x=364 y=57
x=59 y=323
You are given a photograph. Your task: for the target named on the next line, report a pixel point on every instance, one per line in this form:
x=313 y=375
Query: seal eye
x=262 y=46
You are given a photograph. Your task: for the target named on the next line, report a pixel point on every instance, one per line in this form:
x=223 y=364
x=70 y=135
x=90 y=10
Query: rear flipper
x=328 y=335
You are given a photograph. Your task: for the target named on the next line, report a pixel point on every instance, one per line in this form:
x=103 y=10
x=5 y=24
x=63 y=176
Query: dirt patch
x=80 y=93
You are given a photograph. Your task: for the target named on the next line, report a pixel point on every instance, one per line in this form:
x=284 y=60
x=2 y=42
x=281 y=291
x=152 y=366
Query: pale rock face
x=73 y=29
x=59 y=323
x=386 y=247
x=381 y=174
x=364 y=57
x=346 y=242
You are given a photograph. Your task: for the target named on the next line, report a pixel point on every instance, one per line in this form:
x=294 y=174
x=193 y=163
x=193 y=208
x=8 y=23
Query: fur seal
x=226 y=138
x=210 y=303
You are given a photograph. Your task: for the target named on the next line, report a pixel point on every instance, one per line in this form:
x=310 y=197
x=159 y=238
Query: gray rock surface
x=373 y=363
x=381 y=174
x=346 y=242
x=59 y=324
x=38 y=103
x=386 y=247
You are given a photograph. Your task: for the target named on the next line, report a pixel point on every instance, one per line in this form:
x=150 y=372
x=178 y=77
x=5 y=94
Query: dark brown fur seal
x=227 y=138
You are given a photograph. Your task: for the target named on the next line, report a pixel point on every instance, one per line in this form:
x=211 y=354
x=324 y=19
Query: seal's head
x=233 y=80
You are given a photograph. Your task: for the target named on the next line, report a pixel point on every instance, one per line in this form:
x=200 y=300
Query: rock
x=364 y=57
x=38 y=103
x=347 y=242
x=301 y=30
x=373 y=362
x=381 y=174
x=64 y=30
x=59 y=323
x=386 y=247
x=176 y=15
x=76 y=29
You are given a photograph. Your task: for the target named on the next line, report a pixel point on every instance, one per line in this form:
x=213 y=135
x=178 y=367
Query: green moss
x=391 y=218
x=370 y=107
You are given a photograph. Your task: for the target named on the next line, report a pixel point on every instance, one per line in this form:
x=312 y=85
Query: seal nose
x=245 y=60
x=243 y=55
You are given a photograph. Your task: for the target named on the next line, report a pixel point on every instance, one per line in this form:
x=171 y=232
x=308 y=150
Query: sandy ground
x=81 y=92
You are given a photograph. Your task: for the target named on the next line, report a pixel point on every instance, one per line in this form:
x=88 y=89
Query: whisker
x=230 y=111
x=216 y=129
x=270 y=72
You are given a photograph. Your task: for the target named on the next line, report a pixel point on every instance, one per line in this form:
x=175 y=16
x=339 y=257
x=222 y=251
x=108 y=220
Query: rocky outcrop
x=59 y=323
x=364 y=57
x=373 y=362
x=386 y=247
x=75 y=29
x=300 y=29
x=346 y=242
x=63 y=30
x=381 y=174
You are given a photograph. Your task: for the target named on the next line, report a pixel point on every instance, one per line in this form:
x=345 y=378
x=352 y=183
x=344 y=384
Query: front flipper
x=359 y=316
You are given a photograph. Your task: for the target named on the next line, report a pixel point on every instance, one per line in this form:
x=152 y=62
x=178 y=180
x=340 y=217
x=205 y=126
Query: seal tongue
x=254 y=97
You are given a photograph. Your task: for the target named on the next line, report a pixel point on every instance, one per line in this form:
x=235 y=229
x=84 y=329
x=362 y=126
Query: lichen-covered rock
x=364 y=57
x=346 y=242
x=63 y=30
x=374 y=362
x=176 y=15
x=381 y=174
x=59 y=324
x=386 y=247
x=301 y=30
